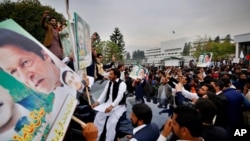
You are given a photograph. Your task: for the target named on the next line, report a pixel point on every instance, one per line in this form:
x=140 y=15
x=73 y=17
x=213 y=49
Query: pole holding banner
x=83 y=124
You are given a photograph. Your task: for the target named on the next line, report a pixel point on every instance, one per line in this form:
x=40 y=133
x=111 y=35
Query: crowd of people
x=203 y=103
x=210 y=103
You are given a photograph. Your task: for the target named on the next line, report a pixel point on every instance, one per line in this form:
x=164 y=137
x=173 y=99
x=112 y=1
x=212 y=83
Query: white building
x=172 y=48
x=153 y=56
x=242 y=42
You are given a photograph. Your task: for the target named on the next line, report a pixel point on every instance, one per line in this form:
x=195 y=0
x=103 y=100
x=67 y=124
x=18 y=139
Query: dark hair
x=143 y=112
x=226 y=82
x=120 y=65
x=207 y=108
x=98 y=54
x=116 y=72
x=210 y=88
x=9 y=37
x=64 y=24
x=208 y=54
x=51 y=18
x=64 y=75
x=126 y=73
x=208 y=79
x=190 y=118
x=218 y=83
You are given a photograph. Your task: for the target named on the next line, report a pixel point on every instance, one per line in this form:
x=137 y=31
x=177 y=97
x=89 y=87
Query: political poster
x=83 y=42
x=67 y=42
x=205 y=59
x=37 y=100
x=138 y=72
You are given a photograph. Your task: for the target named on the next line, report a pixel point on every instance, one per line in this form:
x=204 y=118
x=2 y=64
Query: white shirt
x=189 y=95
x=122 y=77
x=163 y=93
x=163 y=138
x=136 y=130
x=121 y=90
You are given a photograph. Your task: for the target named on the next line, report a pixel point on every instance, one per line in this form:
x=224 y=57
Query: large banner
x=36 y=94
x=205 y=60
x=83 y=42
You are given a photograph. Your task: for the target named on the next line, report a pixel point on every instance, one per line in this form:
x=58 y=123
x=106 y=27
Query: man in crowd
x=186 y=124
x=144 y=130
x=221 y=103
x=52 y=40
x=236 y=104
x=113 y=98
x=121 y=68
x=208 y=110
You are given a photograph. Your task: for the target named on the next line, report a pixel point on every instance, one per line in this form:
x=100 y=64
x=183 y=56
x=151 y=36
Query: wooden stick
x=87 y=91
x=78 y=121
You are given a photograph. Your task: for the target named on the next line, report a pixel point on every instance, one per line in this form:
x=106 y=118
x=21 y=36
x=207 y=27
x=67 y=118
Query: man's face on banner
x=207 y=58
x=6 y=106
x=141 y=73
x=73 y=81
x=29 y=68
x=80 y=33
x=87 y=39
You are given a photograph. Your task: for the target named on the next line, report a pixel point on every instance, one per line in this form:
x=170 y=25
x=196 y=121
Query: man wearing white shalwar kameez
x=113 y=105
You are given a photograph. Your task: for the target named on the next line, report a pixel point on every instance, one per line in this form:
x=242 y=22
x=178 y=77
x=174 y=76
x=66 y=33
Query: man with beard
x=144 y=130
x=52 y=40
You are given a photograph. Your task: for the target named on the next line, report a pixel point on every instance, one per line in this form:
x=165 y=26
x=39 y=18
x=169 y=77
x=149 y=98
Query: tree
x=217 y=39
x=110 y=49
x=117 y=39
x=228 y=38
x=138 y=55
x=23 y=13
x=128 y=55
x=220 y=50
x=186 y=49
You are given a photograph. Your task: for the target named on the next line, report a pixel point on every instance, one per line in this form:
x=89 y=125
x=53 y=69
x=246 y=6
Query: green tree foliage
x=220 y=50
x=228 y=38
x=95 y=41
x=138 y=55
x=28 y=14
x=128 y=55
x=186 y=50
x=217 y=39
x=100 y=47
x=117 y=39
x=109 y=49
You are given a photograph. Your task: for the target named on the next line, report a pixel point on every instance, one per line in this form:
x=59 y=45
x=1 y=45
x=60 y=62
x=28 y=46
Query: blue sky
x=146 y=23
